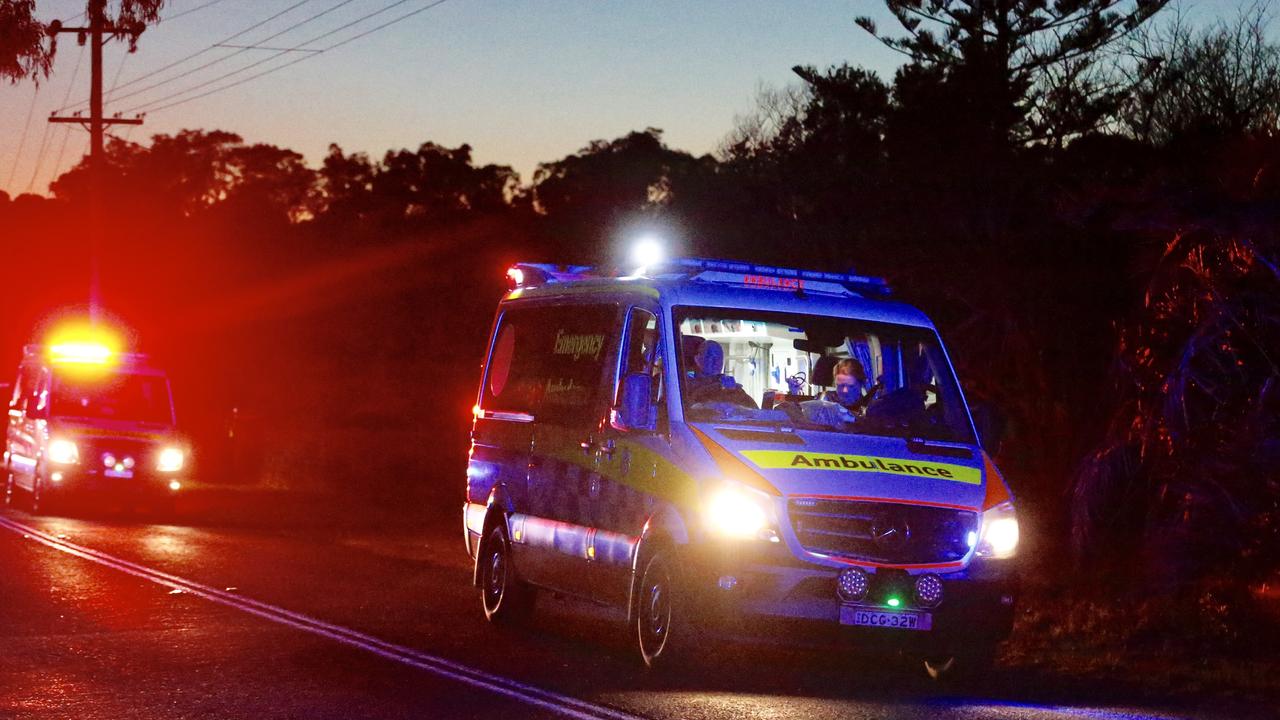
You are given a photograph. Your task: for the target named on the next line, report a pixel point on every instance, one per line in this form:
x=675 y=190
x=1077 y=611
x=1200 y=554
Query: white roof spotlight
x=647 y=251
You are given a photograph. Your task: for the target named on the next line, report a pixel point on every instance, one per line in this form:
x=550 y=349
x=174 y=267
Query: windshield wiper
x=924 y=446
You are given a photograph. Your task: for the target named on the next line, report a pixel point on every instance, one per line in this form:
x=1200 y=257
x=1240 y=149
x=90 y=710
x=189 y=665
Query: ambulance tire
x=506 y=598
x=665 y=628
x=962 y=667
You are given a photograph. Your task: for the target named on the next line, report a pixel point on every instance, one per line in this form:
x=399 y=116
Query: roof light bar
x=534 y=274
x=768 y=277
x=80 y=352
x=756 y=273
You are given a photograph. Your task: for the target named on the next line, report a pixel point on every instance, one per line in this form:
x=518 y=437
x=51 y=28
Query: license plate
x=894 y=619
x=113 y=473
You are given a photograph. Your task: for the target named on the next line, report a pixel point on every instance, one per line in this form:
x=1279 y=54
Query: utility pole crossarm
x=105 y=121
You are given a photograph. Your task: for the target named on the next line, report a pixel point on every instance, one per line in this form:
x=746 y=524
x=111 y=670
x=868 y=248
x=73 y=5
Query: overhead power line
x=196 y=54
x=187 y=73
x=22 y=144
x=66 y=131
x=155 y=106
x=44 y=137
x=197 y=8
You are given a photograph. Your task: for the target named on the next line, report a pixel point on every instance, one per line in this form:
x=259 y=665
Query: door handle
x=603 y=447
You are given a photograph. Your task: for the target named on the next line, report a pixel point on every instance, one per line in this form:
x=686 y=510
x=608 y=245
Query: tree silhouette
x=1018 y=64
x=589 y=199
x=27 y=48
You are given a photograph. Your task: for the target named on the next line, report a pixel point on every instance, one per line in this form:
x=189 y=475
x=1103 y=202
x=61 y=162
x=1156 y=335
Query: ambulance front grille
x=881 y=532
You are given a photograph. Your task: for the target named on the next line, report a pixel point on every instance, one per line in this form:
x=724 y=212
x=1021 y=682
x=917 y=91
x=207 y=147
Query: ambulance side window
x=549 y=362
x=579 y=344
x=511 y=376
x=25 y=387
x=642 y=352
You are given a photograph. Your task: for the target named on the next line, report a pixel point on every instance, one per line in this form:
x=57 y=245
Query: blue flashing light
x=777 y=278
x=728 y=272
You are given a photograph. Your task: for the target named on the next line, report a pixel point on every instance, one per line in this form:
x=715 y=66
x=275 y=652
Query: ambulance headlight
x=998 y=537
x=63 y=452
x=170 y=460
x=740 y=513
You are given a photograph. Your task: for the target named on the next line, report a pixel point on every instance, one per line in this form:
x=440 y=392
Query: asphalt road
x=120 y=617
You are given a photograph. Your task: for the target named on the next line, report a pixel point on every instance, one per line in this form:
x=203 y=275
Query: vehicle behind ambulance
x=91 y=424
x=719 y=448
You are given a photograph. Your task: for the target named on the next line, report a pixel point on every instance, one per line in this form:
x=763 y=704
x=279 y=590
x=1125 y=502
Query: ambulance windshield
x=127 y=397
x=818 y=373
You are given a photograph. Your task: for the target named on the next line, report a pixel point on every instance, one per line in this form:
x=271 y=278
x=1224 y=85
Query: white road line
x=561 y=704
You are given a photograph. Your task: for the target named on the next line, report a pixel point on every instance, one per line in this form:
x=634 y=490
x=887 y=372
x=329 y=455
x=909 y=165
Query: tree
x=1187 y=473
x=1018 y=64
x=1216 y=82
x=27 y=48
x=439 y=185
x=23 y=52
x=590 y=198
x=346 y=184
x=194 y=171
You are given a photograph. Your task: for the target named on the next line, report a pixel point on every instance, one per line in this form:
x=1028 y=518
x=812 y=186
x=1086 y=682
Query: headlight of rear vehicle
x=999 y=535
x=170 y=460
x=63 y=452
x=740 y=513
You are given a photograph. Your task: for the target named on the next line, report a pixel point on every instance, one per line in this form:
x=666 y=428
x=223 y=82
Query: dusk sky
x=522 y=81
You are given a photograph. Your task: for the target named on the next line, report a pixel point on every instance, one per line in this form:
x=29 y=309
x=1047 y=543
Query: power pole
x=95 y=34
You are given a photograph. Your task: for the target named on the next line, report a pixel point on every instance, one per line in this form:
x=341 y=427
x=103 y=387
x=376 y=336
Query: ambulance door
x=626 y=494
x=23 y=441
x=498 y=465
x=564 y=468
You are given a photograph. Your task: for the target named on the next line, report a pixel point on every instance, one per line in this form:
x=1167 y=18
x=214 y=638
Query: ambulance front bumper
x=774 y=595
x=94 y=484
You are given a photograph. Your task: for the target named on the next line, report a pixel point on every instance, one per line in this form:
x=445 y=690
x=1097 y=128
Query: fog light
x=175 y=485
x=928 y=590
x=55 y=476
x=852 y=584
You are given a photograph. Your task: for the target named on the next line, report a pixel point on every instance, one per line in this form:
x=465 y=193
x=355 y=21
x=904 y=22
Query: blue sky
x=522 y=81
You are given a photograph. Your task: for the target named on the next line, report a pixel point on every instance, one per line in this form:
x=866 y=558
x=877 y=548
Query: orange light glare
x=80 y=352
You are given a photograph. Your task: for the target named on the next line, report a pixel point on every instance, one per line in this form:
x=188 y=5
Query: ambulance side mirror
x=635 y=410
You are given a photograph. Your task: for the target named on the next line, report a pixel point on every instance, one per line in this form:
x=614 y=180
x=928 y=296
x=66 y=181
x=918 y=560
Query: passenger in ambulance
x=705 y=381
x=850 y=398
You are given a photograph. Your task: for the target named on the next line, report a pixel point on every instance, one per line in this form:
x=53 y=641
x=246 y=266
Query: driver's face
x=847 y=388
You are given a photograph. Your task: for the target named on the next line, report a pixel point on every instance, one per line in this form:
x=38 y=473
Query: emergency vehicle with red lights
x=717 y=447
x=87 y=421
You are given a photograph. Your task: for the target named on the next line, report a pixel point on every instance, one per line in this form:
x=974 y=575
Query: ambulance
x=723 y=449
x=91 y=423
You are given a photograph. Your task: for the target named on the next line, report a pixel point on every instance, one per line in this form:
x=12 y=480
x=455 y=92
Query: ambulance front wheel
x=506 y=598
x=665 y=627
